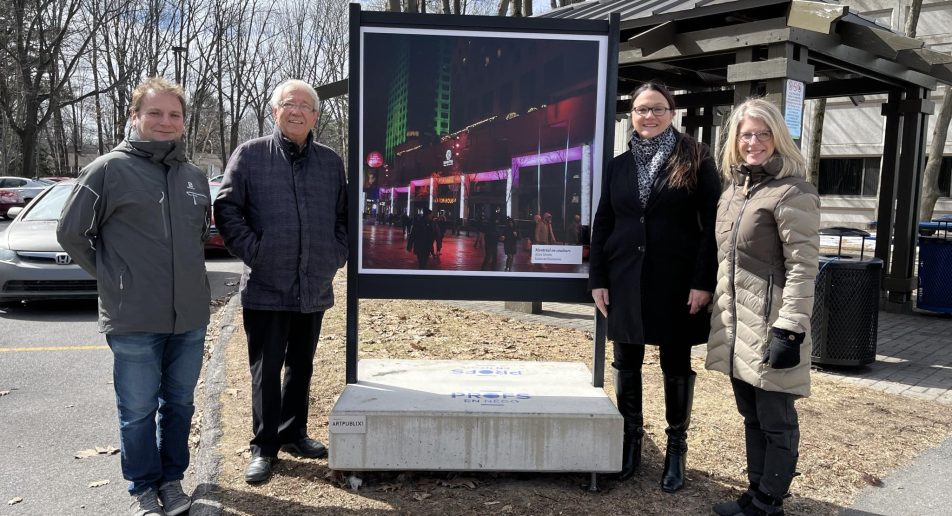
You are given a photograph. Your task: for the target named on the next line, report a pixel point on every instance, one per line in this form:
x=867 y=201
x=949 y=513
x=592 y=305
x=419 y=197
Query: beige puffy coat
x=768 y=246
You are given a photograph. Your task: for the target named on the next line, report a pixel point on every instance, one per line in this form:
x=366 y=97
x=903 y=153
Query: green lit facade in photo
x=398 y=100
x=443 y=82
x=419 y=96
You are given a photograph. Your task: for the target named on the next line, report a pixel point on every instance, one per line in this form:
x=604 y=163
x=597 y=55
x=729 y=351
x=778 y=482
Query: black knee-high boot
x=628 y=395
x=678 y=399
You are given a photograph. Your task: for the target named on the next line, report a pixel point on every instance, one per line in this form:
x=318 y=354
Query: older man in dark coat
x=282 y=209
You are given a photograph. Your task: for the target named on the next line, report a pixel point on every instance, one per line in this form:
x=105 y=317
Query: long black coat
x=649 y=259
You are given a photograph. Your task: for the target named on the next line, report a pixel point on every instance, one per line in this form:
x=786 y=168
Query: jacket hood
x=167 y=152
x=757 y=173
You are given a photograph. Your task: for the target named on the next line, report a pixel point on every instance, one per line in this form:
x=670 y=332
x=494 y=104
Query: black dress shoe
x=307 y=448
x=259 y=469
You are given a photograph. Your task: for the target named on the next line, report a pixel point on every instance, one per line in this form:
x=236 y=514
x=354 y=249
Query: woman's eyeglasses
x=761 y=137
x=656 y=111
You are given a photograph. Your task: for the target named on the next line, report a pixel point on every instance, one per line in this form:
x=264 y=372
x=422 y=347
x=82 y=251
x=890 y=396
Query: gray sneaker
x=146 y=503
x=174 y=499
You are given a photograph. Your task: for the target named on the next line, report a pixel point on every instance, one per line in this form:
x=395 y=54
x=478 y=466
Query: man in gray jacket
x=137 y=220
x=282 y=209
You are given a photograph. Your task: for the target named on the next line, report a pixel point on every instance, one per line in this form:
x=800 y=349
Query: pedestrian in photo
x=543 y=229
x=137 y=220
x=282 y=209
x=768 y=241
x=439 y=228
x=574 y=231
x=478 y=225
x=510 y=242
x=652 y=269
x=422 y=235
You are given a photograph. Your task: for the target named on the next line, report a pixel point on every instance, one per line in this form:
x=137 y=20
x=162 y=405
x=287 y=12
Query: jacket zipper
x=165 y=223
x=769 y=302
x=748 y=191
x=733 y=270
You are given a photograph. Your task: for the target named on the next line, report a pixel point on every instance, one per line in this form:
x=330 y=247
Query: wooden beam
x=779 y=68
x=334 y=89
x=720 y=39
x=846 y=88
x=923 y=59
x=943 y=72
x=654 y=39
x=880 y=42
x=815 y=16
x=705 y=98
x=858 y=61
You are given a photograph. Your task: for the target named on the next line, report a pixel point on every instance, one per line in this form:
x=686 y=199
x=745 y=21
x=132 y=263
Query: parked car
x=32 y=263
x=18 y=192
x=215 y=242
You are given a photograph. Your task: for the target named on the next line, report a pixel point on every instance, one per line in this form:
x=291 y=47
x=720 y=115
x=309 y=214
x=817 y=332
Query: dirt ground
x=851 y=436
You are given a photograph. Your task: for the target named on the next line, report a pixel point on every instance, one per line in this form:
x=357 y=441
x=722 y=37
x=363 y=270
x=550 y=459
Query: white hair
x=294 y=83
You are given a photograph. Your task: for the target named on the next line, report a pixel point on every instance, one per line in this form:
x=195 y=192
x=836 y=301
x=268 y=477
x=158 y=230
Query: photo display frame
x=476 y=151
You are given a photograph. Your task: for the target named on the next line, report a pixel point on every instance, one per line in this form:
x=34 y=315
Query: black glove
x=784 y=348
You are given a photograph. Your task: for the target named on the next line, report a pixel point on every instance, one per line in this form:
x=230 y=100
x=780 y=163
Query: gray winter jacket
x=286 y=217
x=768 y=244
x=137 y=220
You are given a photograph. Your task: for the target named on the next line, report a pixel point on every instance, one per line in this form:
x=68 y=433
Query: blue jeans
x=155 y=373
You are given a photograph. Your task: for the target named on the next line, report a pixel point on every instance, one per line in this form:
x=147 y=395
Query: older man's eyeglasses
x=291 y=106
x=656 y=111
x=761 y=137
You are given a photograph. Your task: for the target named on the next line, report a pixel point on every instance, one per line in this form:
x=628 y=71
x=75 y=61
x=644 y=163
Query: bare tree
x=930 y=179
x=48 y=40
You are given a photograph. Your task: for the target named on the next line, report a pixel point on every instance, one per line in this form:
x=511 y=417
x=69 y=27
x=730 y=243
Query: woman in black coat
x=653 y=268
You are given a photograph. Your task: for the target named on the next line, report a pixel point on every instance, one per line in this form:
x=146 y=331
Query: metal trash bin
x=846 y=305
x=935 y=268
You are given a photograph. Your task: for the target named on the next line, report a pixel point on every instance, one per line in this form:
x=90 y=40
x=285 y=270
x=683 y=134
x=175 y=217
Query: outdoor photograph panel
x=478 y=151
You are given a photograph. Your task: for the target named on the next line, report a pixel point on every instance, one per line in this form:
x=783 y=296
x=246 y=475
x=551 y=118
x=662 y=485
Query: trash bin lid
x=844 y=232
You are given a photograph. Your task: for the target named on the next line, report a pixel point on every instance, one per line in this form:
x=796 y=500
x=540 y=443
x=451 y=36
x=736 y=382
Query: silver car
x=32 y=263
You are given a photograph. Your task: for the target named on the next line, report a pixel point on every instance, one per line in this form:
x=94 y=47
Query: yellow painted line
x=51 y=348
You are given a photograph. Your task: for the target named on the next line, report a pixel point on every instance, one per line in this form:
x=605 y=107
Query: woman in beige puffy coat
x=767 y=233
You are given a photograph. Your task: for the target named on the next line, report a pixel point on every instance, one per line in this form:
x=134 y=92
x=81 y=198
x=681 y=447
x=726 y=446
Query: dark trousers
x=772 y=435
x=276 y=340
x=675 y=360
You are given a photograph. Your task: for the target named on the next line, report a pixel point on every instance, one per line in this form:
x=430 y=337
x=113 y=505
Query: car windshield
x=50 y=205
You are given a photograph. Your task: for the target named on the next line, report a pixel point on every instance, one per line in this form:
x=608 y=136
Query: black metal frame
x=482 y=288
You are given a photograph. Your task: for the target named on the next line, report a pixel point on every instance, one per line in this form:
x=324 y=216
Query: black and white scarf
x=650 y=155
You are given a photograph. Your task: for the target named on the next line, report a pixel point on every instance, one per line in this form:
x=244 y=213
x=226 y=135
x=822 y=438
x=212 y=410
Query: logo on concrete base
x=488 y=397
x=487 y=370
x=347 y=424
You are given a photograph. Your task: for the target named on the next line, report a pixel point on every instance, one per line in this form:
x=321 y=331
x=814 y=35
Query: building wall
x=855 y=129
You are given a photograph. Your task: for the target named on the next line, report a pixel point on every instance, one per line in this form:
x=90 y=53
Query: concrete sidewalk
x=914 y=358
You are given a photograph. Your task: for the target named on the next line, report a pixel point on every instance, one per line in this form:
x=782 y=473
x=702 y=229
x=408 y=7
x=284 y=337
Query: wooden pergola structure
x=722 y=52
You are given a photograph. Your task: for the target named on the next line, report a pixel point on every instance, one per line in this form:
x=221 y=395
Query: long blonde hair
x=793 y=162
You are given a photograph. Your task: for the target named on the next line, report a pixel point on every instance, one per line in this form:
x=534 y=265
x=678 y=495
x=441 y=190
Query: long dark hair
x=685 y=159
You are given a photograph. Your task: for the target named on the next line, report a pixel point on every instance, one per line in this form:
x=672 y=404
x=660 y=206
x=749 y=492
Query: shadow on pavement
x=79 y=310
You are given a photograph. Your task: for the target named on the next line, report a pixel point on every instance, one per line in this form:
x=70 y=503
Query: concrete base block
x=453 y=415
x=526 y=307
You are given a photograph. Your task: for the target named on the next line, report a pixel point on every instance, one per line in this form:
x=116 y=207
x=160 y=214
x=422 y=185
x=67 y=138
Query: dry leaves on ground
x=849 y=434
x=99 y=450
